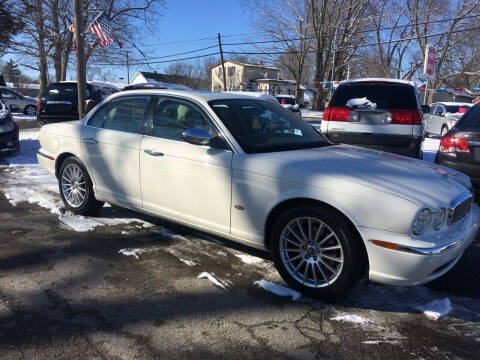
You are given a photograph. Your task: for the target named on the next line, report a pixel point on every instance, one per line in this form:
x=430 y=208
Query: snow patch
x=350 y=318
x=311 y=114
x=429 y=148
x=249 y=259
x=213 y=279
x=278 y=289
x=132 y=252
x=436 y=309
x=169 y=234
x=376 y=342
x=188 y=262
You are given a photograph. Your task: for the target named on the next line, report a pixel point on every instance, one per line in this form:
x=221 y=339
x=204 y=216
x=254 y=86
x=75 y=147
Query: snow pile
x=429 y=148
x=436 y=309
x=132 y=252
x=361 y=102
x=213 y=279
x=311 y=114
x=278 y=289
x=354 y=319
x=249 y=259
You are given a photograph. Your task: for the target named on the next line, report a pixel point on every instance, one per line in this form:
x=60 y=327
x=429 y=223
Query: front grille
x=461 y=210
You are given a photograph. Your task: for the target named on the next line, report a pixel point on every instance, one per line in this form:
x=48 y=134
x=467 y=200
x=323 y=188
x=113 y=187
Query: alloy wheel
x=74 y=187
x=311 y=252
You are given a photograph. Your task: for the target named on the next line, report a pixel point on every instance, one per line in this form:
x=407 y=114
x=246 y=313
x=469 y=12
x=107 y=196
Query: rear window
x=286 y=100
x=385 y=95
x=457 y=109
x=64 y=91
x=471 y=119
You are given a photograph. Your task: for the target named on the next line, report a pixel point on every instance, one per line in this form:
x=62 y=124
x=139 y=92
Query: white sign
x=429 y=64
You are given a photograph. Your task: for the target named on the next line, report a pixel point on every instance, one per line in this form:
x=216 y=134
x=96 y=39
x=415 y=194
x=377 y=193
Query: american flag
x=102 y=29
x=74 y=44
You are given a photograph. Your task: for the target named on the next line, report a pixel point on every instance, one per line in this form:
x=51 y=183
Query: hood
x=423 y=183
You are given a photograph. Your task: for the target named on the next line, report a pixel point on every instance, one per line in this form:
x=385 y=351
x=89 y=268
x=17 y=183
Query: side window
x=126 y=114
x=433 y=108
x=439 y=110
x=471 y=119
x=171 y=117
x=99 y=117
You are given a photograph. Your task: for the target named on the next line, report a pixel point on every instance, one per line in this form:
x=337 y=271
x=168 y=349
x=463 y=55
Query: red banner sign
x=429 y=65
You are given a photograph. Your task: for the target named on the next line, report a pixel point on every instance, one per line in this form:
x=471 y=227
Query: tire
x=30 y=110
x=76 y=188
x=343 y=253
x=443 y=131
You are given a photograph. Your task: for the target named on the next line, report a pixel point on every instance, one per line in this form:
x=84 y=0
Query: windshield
x=453 y=109
x=387 y=95
x=286 y=100
x=262 y=126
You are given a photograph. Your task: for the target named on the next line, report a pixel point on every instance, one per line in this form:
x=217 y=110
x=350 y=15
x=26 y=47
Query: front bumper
x=421 y=259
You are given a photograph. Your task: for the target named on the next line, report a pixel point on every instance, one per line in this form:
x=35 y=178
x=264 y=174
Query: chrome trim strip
x=474 y=143
x=433 y=250
x=51 y=102
x=44 y=155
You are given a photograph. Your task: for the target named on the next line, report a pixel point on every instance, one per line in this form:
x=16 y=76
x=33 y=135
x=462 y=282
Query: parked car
x=59 y=101
x=26 y=104
x=383 y=114
x=251 y=171
x=443 y=116
x=460 y=147
x=9 y=142
x=289 y=102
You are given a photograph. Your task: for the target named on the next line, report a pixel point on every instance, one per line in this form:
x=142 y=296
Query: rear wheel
x=316 y=252
x=76 y=188
x=30 y=110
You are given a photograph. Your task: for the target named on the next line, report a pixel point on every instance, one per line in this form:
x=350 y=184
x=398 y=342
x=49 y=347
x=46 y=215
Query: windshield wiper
x=287 y=147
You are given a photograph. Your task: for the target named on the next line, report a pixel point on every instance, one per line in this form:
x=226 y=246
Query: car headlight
x=421 y=221
x=7 y=127
x=439 y=219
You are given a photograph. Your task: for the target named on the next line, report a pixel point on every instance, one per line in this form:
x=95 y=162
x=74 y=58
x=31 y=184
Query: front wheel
x=76 y=188
x=316 y=252
x=30 y=110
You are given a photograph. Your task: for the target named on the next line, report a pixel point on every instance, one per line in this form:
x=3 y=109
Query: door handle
x=153 y=153
x=91 y=141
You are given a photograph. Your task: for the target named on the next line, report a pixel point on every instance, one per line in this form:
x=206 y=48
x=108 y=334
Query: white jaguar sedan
x=248 y=170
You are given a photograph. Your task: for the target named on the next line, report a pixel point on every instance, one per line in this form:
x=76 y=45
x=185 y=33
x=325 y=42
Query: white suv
x=383 y=114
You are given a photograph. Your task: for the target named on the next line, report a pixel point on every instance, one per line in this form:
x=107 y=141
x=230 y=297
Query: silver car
x=443 y=116
x=27 y=104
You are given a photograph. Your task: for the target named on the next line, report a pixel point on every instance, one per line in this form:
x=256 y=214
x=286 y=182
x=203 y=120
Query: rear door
x=385 y=123
x=111 y=142
x=438 y=119
x=429 y=118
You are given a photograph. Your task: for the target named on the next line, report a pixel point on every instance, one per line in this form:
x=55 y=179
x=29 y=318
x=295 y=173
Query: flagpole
x=81 y=78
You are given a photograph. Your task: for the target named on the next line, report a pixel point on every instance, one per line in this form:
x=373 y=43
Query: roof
x=254 y=94
x=198 y=95
x=399 y=81
x=452 y=103
x=161 y=78
x=93 y=82
x=285 y=96
x=245 y=64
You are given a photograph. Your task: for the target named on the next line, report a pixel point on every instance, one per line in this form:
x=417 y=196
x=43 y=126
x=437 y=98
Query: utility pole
x=128 y=69
x=81 y=82
x=334 y=50
x=223 y=63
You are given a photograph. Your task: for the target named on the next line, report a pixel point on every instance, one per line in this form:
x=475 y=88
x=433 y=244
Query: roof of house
x=245 y=64
x=162 y=78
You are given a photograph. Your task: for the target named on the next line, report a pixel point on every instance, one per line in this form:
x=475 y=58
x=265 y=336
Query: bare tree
x=46 y=38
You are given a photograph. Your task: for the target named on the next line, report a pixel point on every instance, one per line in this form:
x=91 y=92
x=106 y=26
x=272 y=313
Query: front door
x=187 y=182
x=111 y=143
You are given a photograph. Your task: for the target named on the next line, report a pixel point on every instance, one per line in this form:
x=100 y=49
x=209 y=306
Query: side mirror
x=196 y=136
x=425 y=109
x=14 y=108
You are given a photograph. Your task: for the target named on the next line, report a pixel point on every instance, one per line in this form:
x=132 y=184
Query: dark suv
x=383 y=114
x=59 y=101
